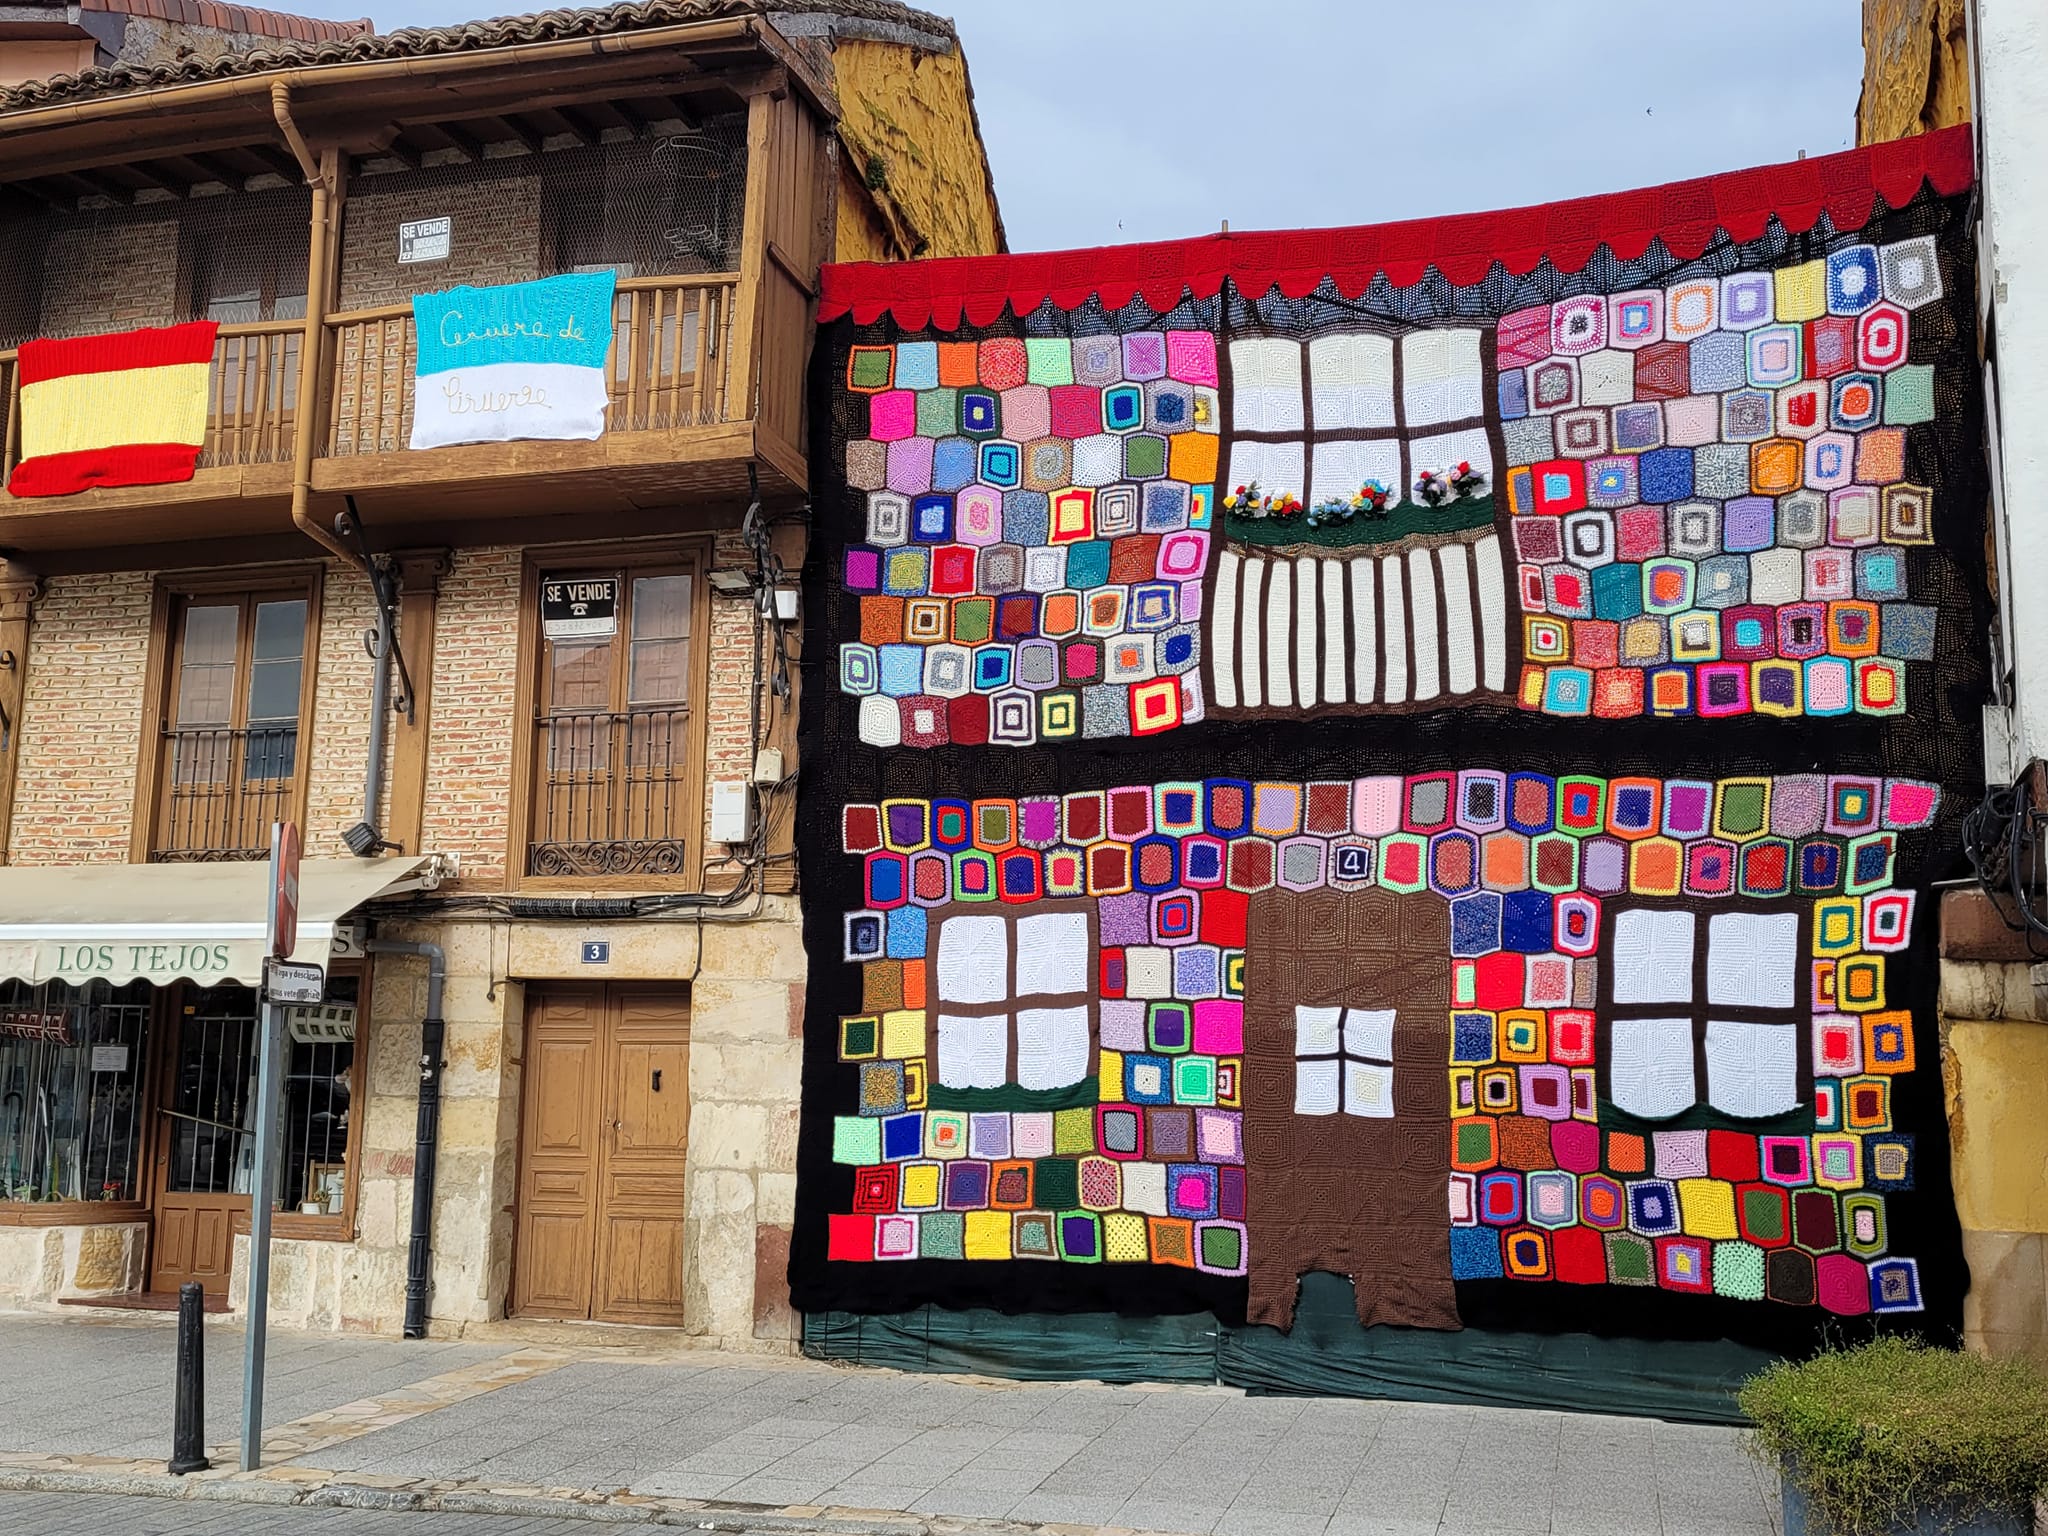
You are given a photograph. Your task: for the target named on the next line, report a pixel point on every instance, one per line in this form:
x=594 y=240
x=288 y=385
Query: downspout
x=311 y=343
x=427 y=1132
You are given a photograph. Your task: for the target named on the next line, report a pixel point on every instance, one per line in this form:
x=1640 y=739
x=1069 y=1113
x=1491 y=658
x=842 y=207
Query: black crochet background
x=1937 y=740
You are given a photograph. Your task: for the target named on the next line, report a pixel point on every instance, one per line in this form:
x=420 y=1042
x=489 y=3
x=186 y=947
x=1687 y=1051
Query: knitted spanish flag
x=124 y=409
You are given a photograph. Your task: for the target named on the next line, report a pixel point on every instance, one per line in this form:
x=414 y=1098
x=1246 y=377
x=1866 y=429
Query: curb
x=619 y=1509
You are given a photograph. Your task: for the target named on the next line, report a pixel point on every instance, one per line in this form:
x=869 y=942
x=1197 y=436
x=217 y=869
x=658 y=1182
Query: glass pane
x=318 y=1077
x=581 y=676
x=289 y=306
x=213 y=1093
x=660 y=672
x=71 y=1074
x=281 y=630
x=661 y=607
x=274 y=691
x=236 y=308
x=206 y=666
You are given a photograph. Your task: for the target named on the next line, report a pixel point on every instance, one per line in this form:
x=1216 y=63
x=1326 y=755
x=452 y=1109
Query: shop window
x=1319 y=419
x=210 y=1101
x=71 y=1091
x=617 y=777
x=1710 y=999
x=238 y=681
x=1344 y=1057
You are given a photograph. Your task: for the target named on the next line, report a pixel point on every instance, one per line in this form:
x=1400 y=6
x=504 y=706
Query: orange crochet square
x=1626 y=1152
x=1776 y=465
x=1173 y=1240
x=881 y=620
x=1881 y=455
x=913 y=983
x=957 y=365
x=1193 y=458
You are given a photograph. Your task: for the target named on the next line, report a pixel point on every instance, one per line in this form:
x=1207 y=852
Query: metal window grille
x=71 y=1076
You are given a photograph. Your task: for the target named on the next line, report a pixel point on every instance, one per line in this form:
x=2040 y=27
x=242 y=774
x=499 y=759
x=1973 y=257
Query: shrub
x=1874 y=1434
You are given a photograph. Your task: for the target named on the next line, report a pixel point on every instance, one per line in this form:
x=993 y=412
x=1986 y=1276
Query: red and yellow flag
x=124 y=409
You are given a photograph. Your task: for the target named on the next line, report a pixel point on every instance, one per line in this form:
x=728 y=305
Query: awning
x=179 y=922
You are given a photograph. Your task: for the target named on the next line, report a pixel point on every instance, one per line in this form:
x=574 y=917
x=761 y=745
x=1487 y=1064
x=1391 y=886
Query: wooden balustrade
x=251 y=399
x=671 y=345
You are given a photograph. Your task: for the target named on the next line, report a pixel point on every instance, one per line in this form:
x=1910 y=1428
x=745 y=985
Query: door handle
x=657 y=1079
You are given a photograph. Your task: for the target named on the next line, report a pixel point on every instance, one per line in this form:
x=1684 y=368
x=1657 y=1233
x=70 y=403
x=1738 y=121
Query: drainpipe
x=310 y=344
x=427 y=1133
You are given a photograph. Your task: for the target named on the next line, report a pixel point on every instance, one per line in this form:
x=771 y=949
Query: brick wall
x=110 y=276
x=342 y=680
x=495 y=236
x=469 y=754
x=728 y=754
x=75 y=797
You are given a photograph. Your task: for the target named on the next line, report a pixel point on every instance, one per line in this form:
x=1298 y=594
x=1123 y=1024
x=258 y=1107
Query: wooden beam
x=587 y=133
x=514 y=129
x=219 y=170
x=275 y=161
x=149 y=178
x=44 y=195
x=398 y=149
x=470 y=146
x=89 y=186
x=627 y=114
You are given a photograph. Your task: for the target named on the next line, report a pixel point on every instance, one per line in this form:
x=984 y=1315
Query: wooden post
x=744 y=371
x=19 y=589
x=419 y=573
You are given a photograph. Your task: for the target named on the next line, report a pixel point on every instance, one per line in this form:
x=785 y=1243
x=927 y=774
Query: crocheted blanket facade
x=1432 y=780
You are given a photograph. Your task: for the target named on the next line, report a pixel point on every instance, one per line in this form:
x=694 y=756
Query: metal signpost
x=282 y=983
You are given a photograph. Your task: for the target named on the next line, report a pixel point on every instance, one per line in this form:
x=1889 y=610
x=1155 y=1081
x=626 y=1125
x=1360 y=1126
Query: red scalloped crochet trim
x=1686 y=214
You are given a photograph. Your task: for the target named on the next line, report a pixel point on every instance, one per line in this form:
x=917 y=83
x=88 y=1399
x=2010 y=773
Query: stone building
x=530 y=702
x=1932 y=64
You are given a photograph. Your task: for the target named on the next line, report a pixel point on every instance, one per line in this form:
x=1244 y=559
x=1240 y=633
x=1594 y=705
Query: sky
x=1119 y=120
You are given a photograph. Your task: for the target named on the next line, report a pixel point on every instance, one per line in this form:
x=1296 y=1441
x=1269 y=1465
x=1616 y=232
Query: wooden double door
x=604 y=1139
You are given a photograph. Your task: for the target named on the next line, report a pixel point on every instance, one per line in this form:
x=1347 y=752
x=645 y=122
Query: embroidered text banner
x=522 y=360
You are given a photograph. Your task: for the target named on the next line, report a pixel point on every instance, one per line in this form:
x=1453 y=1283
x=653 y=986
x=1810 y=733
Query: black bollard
x=188 y=1435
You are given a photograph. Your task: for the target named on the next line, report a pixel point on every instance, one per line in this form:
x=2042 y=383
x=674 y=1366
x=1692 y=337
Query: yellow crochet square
x=1123 y=1238
x=903 y=1034
x=1708 y=1206
x=920 y=1190
x=1110 y=1077
x=1803 y=291
x=1073 y=1130
x=988 y=1234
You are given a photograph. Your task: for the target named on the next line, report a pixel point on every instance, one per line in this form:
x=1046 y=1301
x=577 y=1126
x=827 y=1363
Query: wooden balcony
x=686 y=421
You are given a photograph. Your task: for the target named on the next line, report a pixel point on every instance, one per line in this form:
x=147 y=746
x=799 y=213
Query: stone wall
x=41 y=1265
x=1916 y=68
x=1994 y=1061
x=746 y=1054
x=908 y=123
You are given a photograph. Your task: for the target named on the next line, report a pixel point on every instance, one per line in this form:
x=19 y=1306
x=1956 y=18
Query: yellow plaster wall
x=1916 y=68
x=914 y=111
x=1993 y=1071
x=1998 y=1134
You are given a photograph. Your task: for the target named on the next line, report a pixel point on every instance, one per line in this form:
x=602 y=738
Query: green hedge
x=1877 y=1434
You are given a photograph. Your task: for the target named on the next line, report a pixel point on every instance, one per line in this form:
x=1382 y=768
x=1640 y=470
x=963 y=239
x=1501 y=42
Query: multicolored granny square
x=1634 y=993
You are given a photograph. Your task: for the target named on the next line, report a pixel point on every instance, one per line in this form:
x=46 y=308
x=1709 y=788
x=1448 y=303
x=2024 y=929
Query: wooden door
x=203 y=1142
x=604 y=1143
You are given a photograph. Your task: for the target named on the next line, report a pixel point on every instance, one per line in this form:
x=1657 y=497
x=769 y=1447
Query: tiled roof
x=245 y=19
x=418 y=42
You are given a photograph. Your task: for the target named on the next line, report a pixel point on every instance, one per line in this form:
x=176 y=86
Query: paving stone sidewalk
x=684 y=1438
